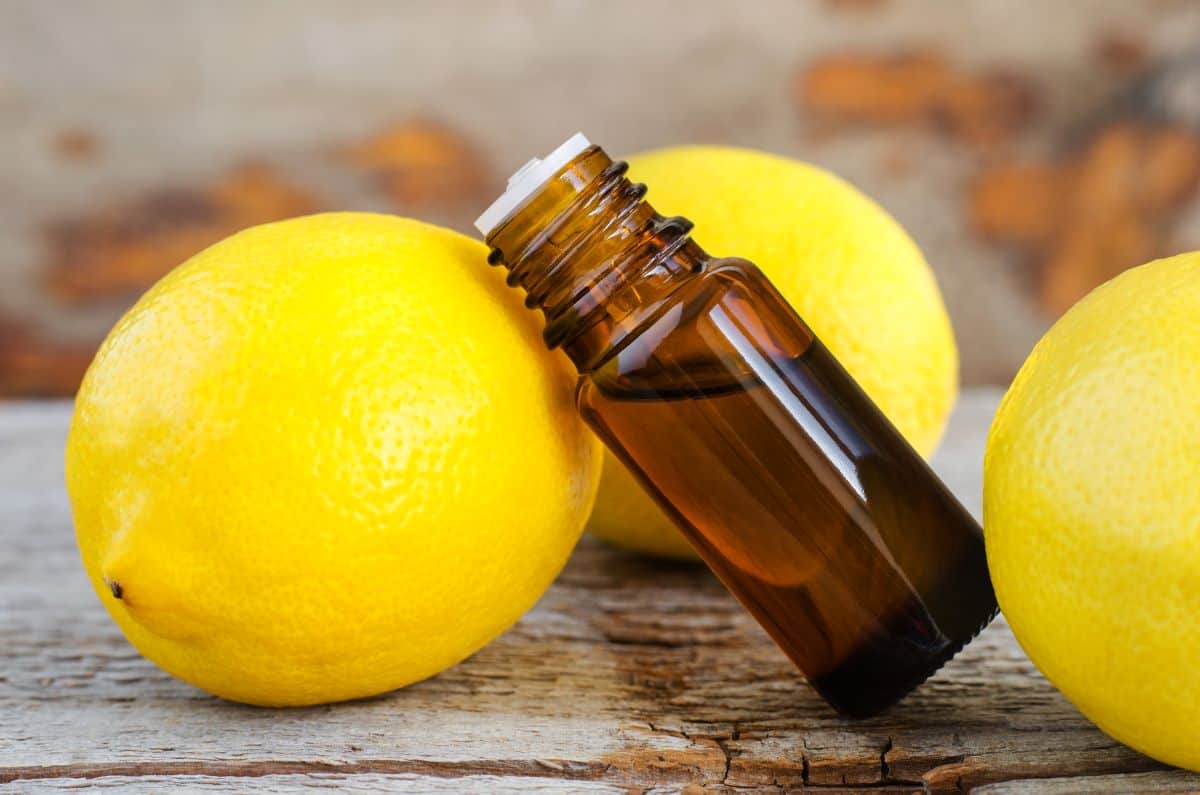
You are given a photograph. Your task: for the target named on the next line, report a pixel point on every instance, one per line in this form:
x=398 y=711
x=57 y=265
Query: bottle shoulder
x=733 y=269
x=652 y=323
x=708 y=333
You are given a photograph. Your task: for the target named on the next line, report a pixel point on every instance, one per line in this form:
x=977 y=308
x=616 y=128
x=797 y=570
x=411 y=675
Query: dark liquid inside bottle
x=796 y=490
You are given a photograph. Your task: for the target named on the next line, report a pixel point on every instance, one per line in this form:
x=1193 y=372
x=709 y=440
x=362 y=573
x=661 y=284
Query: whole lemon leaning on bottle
x=846 y=266
x=1092 y=507
x=326 y=458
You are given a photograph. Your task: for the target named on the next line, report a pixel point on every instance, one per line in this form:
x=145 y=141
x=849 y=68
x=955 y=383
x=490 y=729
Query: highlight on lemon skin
x=1091 y=506
x=326 y=458
x=846 y=266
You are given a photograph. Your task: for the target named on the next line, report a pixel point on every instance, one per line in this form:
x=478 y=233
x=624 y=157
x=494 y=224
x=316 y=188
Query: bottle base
x=877 y=677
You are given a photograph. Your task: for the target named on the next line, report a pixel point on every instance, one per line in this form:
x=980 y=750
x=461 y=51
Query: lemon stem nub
x=115 y=587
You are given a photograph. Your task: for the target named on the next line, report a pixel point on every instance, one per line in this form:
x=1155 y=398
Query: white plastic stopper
x=528 y=179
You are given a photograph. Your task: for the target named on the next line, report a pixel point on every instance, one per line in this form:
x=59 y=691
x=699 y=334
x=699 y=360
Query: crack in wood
x=721 y=743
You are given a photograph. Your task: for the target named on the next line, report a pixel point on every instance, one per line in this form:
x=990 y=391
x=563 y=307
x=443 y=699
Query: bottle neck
x=593 y=256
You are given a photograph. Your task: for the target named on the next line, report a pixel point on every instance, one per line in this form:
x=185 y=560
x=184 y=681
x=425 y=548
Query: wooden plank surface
x=628 y=675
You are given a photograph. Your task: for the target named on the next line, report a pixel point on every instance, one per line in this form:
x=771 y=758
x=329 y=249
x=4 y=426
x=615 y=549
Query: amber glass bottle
x=794 y=488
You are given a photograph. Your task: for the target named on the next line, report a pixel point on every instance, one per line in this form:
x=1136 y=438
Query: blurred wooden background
x=1034 y=149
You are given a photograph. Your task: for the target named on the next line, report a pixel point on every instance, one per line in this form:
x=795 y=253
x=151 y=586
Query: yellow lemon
x=846 y=266
x=1092 y=507
x=326 y=458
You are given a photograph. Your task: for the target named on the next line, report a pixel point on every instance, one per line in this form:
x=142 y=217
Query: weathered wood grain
x=1156 y=781
x=628 y=674
x=307 y=782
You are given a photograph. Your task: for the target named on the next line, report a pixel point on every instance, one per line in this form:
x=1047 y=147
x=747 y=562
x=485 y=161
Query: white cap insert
x=528 y=179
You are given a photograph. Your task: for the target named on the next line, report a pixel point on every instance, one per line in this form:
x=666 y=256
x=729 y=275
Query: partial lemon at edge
x=1092 y=507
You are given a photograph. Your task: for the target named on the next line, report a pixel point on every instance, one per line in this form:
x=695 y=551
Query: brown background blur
x=1033 y=148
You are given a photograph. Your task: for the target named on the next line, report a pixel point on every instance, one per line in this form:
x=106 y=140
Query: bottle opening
x=527 y=179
